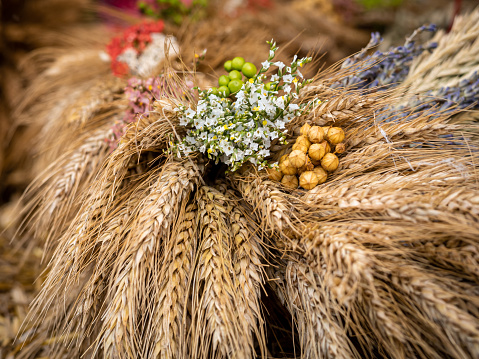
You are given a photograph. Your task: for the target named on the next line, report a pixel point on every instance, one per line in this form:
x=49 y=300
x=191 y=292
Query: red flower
x=137 y=37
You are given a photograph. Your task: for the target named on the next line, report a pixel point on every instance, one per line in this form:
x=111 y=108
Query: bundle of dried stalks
x=157 y=257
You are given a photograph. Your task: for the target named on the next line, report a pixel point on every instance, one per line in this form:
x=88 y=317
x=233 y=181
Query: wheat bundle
x=153 y=256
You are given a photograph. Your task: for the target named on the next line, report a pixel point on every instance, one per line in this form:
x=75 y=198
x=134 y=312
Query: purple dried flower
x=384 y=70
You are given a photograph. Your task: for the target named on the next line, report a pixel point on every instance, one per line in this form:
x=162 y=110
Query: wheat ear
x=443 y=311
x=321 y=332
x=132 y=316
x=216 y=311
x=270 y=204
x=176 y=276
x=249 y=277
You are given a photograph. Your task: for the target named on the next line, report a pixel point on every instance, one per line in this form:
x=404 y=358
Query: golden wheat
x=217 y=328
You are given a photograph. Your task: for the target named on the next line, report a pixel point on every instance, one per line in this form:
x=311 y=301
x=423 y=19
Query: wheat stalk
x=322 y=335
x=125 y=318
x=342 y=106
x=217 y=312
x=454 y=59
x=267 y=200
x=448 y=255
x=352 y=277
x=247 y=259
x=175 y=292
x=60 y=185
x=458 y=329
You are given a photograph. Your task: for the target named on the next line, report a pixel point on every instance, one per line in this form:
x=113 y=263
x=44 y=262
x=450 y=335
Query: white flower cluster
x=145 y=64
x=240 y=131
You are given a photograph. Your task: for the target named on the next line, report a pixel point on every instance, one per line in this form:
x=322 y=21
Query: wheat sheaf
x=153 y=256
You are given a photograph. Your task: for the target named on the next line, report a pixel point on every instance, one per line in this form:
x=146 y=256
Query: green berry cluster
x=232 y=83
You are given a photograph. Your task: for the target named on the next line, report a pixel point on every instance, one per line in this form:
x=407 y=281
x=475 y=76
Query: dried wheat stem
x=269 y=203
x=248 y=272
x=443 y=309
x=349 y=272
x=127 y=313
x=322 y=335
x=217 y=321
x=175 y=291
x=102 y=94
x=447 y=254
x=59 y=191
x=454 y=58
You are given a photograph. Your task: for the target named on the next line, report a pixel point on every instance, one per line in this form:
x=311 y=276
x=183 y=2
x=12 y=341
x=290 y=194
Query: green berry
x=214 y=91
x=235 y=75
x=270 y=86
x=224 y=91
x=235 y=85
x=228 y=65
x=249 y=70
x=237 y=63
x=224 y=80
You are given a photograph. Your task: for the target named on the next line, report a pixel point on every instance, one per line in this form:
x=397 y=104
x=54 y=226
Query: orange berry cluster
x=312 y=157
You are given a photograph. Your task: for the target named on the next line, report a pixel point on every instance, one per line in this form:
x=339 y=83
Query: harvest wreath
x=169 y=240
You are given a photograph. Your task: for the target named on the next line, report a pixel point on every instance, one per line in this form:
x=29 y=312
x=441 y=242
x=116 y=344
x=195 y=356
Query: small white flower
x=265 y=65
x=280 y=124
x=299 y=74
x=288 y=69
x=183 y=121
x=271 y=53
x=263 y=153
x=191 y=139
x=280 y=102
x=287 y=89
x=274 y=78
x=294 y=58
x=293 y=106
x=288 y=79
x=279 y=64
x=190 y=113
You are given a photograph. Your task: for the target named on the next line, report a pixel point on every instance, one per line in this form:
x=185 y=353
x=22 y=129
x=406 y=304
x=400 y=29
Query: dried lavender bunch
x=446 y=100
x=384 y=70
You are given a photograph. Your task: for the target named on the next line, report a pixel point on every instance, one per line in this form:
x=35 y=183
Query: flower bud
x=297 y=158
x=274 y=174
x=308 y=166
x=301 y=147
x=326 y=130
x=330 y=162
x=326 y=146
x=305 y=128
x=303 y=140
x=315 y=134
x=283 y=157
x=286 y=168
x=318 y=150
x=335 y=135
x=321 y=173
x=290 y=181
x=340 y=148
x=308 y=180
